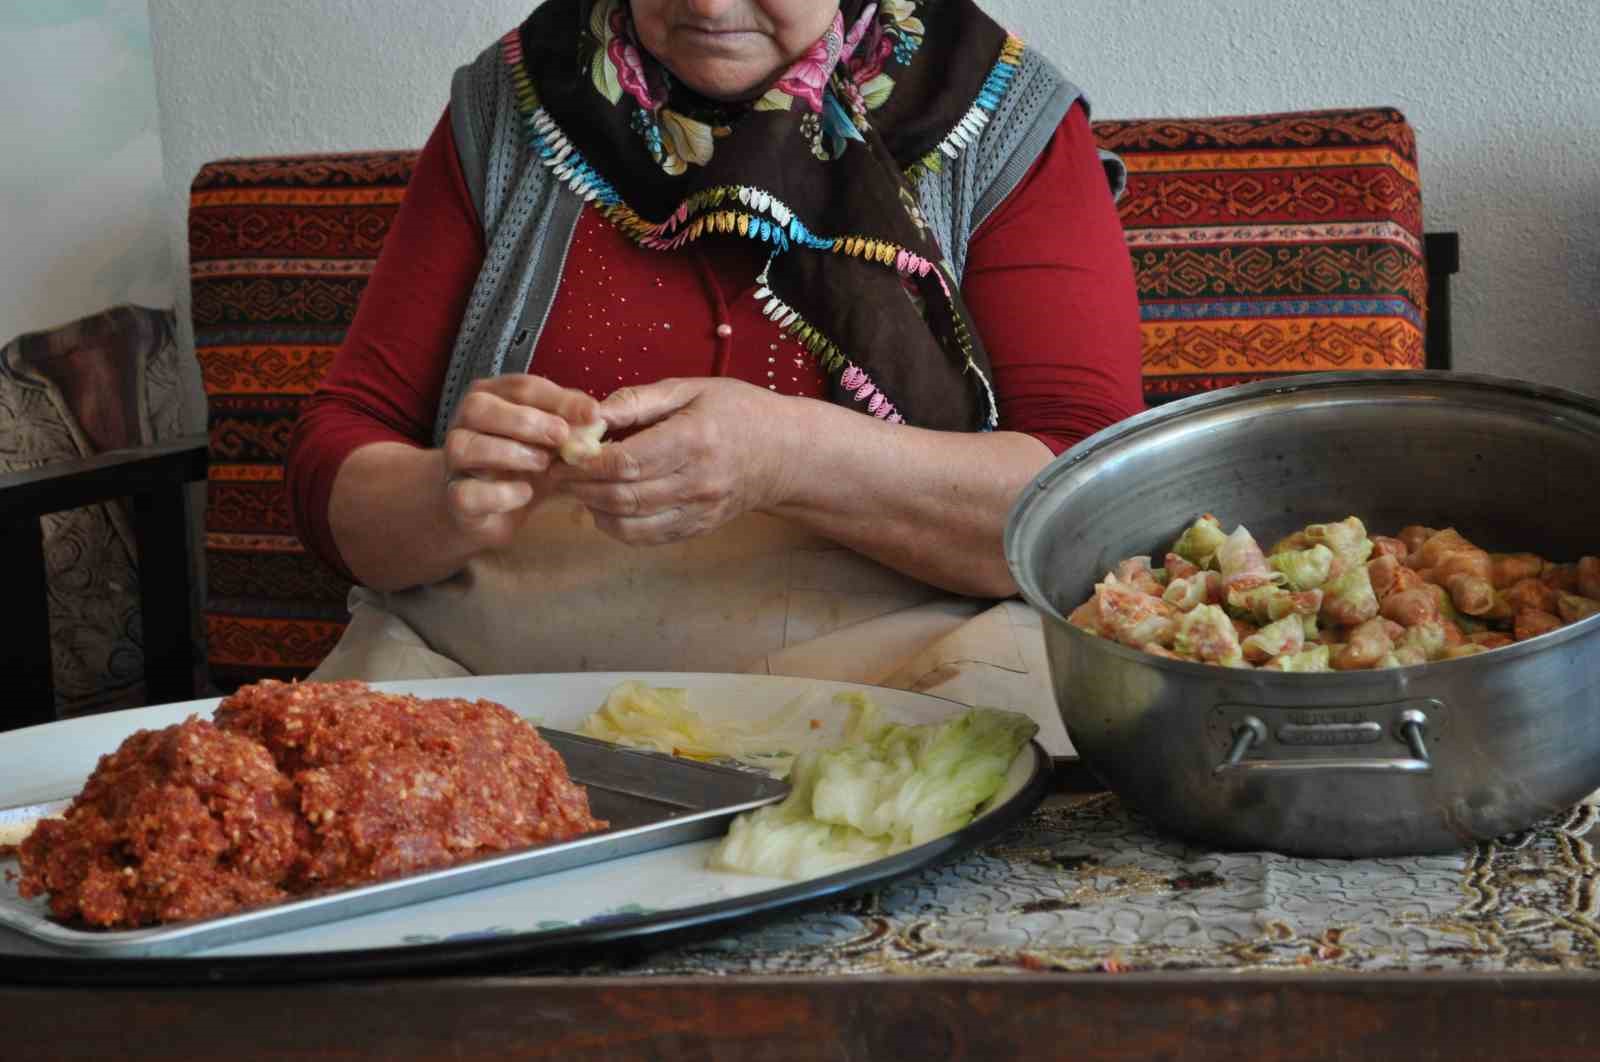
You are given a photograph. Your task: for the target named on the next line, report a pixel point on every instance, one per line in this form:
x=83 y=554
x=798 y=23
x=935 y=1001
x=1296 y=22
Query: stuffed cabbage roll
x=1401 y=657
x=1384 y=573
x=1201 y=588
x=1133 y=617
x=1532 y=593
x=1439 y=546
x=1589 y=577
x=1414 y=535
x=1572 y=608
x=1368 y=643
x=1411 y=607
x=1387 y=546
x=1283 y=637
x=1347 y=538
x=1563 y=577
x=1268 y=604
x=1532 y=622
x=1207 y=635
x=1471 y=594
x=1136 y=572
x=1348 y=599
x=1429 y=638
x=1242 y=563
x=1508 y=569
x=1198 y=545
x=1178 y=568
x=1303 y=569
x=1313 y=659
x=1291 y=543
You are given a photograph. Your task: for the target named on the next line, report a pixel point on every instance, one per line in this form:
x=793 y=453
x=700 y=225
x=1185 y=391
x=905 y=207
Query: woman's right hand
x=499 y=450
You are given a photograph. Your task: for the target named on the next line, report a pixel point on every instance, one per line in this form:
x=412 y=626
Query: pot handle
x=1251 y=731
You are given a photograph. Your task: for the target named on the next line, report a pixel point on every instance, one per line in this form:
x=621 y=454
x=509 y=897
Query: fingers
x=663 y=448
x=488 y=411
x=474 y=499
x=641 y=406
x=510 y=424
x=670 y=525
x=613 y=498
x=536 y=392
x=475 y=452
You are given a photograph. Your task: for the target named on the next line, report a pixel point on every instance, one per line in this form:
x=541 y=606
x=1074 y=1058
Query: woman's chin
x=728 y=82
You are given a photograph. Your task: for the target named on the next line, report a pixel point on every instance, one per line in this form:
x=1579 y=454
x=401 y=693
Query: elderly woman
x=835 y=280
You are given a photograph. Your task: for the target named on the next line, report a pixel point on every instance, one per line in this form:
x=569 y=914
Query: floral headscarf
x=820 y=170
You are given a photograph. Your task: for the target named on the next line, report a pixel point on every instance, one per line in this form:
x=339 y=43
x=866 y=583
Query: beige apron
x=755 y=596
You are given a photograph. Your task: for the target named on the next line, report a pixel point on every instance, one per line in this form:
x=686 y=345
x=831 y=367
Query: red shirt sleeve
x=385 y=381
x=1050 y=287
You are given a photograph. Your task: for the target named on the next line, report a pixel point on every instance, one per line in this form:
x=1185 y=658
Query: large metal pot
x=1407 y=760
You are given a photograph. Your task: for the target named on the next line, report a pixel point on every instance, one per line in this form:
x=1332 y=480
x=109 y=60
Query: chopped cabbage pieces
x=886 y=788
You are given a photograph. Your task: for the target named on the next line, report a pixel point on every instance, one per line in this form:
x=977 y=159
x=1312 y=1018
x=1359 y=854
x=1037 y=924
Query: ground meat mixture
x=297 y=787
x=391 y=783
x=186 y=822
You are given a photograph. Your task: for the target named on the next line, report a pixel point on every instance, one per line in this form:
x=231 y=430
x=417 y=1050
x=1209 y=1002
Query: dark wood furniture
x=1079 y=1016
x=154 y=480
x=1442 y=251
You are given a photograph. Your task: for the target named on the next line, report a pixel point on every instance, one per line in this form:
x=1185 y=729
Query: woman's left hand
x=701 y=452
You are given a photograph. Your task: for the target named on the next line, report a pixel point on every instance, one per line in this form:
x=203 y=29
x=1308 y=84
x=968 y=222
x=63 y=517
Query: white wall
x=83 y=209
x=1505 y=97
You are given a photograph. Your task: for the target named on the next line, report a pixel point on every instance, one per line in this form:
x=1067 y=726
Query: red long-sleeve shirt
x=1048 y=284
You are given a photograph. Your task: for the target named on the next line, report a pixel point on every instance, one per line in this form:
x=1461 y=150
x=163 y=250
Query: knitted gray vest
x=529 y=216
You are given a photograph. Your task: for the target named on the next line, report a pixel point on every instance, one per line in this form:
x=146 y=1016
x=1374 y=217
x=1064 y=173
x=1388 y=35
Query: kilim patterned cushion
x=1272 y=244
x=280 y=250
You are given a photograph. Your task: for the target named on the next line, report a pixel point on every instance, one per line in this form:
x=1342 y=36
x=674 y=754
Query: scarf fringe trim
x=768 y=219
x=967 y=131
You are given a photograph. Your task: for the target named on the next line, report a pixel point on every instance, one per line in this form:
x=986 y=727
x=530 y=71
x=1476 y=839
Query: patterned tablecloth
x=1085 y=885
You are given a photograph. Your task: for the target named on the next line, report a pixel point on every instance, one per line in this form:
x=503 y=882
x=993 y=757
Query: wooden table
x=1077 y=1016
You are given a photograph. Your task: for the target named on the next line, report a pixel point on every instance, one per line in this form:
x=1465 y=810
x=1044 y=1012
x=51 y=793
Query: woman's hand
x=500 y=448
x=702 y=452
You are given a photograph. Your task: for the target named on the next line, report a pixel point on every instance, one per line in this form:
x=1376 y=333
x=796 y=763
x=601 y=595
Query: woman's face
x=730 y=49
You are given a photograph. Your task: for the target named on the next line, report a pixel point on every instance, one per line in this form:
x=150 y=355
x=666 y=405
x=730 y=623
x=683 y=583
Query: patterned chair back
x=280 y=250
x=1272 y=244
x=1262 y=245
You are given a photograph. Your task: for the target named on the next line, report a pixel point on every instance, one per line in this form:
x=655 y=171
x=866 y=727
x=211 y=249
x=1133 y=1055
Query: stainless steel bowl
x=1407 y=760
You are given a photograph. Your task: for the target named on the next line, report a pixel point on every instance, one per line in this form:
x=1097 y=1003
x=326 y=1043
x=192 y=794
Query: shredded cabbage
x=887 y=788
x=880 y=787
x=659 y=717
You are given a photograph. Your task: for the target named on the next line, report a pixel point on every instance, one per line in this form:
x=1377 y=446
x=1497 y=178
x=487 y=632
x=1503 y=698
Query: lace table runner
x=1085 y=885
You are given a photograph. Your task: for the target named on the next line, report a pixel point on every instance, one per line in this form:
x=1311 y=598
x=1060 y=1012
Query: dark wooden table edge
x=1082 y=1016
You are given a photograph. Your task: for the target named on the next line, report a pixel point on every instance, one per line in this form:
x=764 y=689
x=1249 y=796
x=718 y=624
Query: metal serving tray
x=651 y=800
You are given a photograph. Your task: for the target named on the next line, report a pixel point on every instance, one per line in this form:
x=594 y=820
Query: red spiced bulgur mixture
x=297 y=787
x=186 y=822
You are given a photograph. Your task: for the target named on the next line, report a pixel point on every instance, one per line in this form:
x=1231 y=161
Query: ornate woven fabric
x=1086 y=886
x=280 y=250
x=1273 y=244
